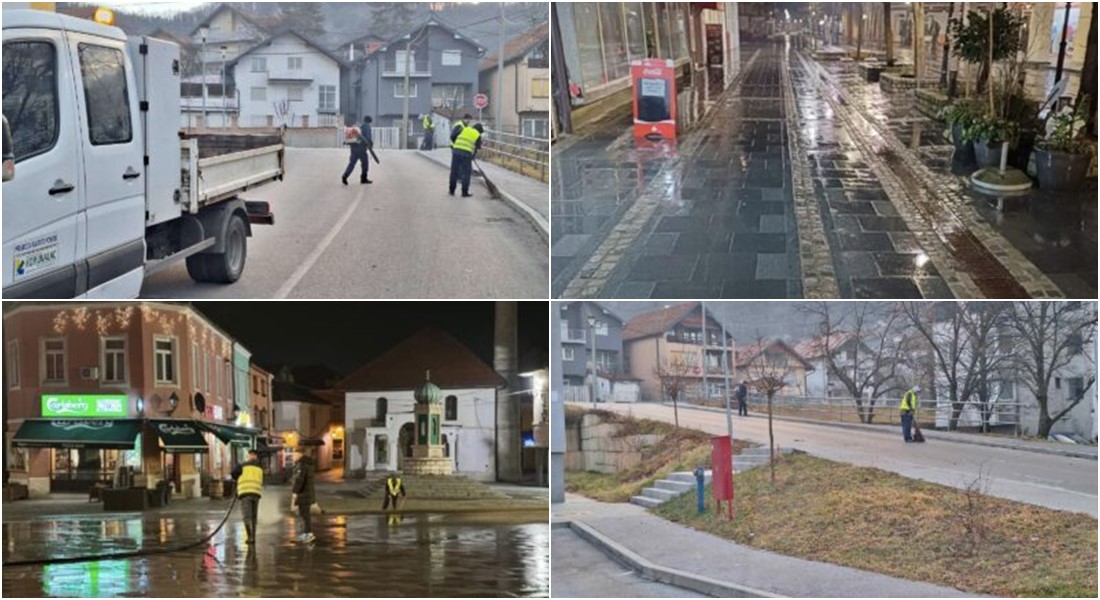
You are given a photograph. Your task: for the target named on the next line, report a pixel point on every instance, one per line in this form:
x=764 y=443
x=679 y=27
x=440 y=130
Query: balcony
x=289 y=75
x=573 y=336
x=396 y=68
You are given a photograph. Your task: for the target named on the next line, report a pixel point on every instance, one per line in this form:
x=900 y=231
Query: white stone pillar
x=368 y=452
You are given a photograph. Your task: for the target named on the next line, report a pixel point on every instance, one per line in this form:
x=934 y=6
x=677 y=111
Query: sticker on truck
x=35 y=255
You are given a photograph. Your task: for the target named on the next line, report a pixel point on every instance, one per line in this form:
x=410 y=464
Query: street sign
x=481 y=101
x=83 y=405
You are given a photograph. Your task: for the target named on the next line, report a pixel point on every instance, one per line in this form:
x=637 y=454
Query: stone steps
x=436 y=487
x=681 y=482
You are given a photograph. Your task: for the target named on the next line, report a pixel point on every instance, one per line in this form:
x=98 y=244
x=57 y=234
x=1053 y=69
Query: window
x=228 y=379
x=53 y=361
x=399 y=90
x=114 y=360
x=449 y=95
x=536 y=128
x=601 y=328
x=540 y=87
x=326 y=97
x=450 y=408
x=294 y=63
x=164 y=360
x=195 y=366
x=1074 y=344
x=259 y=64
x=539 y=56
x=1007 y=390
x=380 y=407
x=567 y=353
x=294 y=94
x=1075 y=388
x=13 y=364
x=105 y=94
x=452 y=58
x=258 y=93
x=605 y=360
x=30 y=96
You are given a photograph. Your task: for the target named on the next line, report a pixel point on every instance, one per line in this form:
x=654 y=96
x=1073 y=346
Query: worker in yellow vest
x=908 y=410
x=428 y=126
x=464 y=147
x=394 y=487
x=250 y=485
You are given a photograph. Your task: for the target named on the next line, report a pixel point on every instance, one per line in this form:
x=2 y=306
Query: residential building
x=673 y=337
x=844 y=347
x=525 y=108
x=287 y=80
x=379 y=406
x=263 y=417
x=91 y=389
x=442 y=68
x=584 y=324
x=307 y=417
x=352 y=52
x=769 y=358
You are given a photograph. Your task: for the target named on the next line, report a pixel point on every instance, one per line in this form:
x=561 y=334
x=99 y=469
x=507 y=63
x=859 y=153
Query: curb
x=532 y=216
x=660 y=574
x=1057 y=451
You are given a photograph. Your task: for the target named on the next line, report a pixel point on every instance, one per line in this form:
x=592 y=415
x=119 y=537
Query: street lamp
x=202 y=33
x=223 y=88
x=592 y=383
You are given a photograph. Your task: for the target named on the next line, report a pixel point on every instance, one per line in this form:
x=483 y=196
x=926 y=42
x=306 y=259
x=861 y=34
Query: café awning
x=78 y=433
x=229 y=434
x=179 y=435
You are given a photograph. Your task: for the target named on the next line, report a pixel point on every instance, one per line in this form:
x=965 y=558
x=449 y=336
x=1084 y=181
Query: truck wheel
x=228 y=266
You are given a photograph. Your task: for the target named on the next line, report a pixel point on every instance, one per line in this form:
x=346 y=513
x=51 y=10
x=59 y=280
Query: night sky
x=345 y=335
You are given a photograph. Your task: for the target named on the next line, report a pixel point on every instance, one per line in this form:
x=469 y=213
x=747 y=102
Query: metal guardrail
x=524 y=155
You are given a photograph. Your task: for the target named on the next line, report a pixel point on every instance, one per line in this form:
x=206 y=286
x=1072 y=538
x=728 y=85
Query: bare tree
x=1050 y=335
x=943 y=325
x=874 y=346
x=675 y=378
x=769 y=371
x=985 y=323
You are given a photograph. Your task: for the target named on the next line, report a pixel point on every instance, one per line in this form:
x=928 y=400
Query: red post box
x=654 y=99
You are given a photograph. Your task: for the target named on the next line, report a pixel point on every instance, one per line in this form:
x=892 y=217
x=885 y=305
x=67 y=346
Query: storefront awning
x=77 y=433
x=229 y=434
x=179 y=435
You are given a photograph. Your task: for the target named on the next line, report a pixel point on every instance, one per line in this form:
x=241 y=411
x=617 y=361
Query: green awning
x=229 y=434
x=78 y=433
x=179 y=435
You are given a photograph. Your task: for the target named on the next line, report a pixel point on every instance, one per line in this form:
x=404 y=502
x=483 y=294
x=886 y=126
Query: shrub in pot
x=960 y=115
x=1062 y=155
x=988 y=133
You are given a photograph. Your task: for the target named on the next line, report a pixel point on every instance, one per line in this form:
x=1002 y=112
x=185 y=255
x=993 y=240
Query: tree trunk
x=1045 y=422
x=956 y=410
x=871 y=411
x=771 y=441
x=675 y=411
x=859 y=410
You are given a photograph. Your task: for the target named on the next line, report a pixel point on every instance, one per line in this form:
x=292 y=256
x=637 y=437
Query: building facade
x=584 y=324
x=219 y=38
x=93 y=388
x=525 y=85
x=770 y=358
x=379 y=403
x=673 y=338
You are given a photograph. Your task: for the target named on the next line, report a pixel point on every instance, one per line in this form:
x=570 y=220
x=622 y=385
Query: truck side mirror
x=9 y=156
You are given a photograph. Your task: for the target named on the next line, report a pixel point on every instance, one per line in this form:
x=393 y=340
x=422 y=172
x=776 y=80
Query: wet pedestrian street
x=354 y=556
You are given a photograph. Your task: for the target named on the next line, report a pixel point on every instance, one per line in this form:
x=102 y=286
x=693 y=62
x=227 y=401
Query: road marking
x=304 y=268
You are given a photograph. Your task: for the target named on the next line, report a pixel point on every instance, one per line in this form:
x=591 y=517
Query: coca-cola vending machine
x=654 y=99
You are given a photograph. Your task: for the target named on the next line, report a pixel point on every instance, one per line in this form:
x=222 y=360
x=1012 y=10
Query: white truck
x=100 y=186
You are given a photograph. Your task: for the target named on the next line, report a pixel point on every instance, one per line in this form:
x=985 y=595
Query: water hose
x=127 y=554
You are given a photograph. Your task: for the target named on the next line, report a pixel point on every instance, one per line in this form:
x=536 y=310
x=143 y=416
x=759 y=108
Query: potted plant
x=1062 y=155
x=989 y=132
x=960 y=115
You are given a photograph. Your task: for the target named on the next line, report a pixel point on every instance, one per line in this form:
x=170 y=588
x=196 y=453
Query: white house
x=289 y=80
x=379 y=406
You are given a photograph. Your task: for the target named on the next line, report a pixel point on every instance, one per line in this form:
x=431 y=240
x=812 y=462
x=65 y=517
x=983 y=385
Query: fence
x=387 y=138
x=525 y=155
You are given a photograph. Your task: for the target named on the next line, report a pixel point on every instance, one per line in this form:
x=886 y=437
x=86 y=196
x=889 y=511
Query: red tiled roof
x=402 y=367
x=518 y=46
x=815 y=347
x=656 y=322
x=744 y=355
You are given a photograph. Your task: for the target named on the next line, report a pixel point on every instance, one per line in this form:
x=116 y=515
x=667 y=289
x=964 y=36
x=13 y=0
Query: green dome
x=428 y=392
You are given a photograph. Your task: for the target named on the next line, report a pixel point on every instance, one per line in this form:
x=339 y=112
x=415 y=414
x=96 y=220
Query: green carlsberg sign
x=83 y=405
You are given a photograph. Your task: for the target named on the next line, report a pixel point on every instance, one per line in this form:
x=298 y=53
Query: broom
x=494 y=191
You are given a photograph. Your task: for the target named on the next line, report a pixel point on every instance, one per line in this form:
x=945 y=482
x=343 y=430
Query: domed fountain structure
x=427 y=452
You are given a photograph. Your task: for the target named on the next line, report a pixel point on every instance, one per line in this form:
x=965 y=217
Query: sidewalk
x=698 y=561
x=529 y=197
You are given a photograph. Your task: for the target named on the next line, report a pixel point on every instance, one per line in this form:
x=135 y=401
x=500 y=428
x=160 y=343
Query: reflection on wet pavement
x=376 y=555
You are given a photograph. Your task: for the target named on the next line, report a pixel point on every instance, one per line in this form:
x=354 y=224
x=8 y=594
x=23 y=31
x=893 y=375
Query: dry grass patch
x=879 y=521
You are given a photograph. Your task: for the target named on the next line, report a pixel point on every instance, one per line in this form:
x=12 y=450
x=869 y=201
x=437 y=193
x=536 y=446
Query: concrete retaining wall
x=593 y=445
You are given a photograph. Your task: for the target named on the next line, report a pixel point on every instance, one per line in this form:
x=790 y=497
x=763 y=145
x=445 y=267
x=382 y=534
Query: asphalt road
x=400 y=237
x=581 y=571
x=1057 y=482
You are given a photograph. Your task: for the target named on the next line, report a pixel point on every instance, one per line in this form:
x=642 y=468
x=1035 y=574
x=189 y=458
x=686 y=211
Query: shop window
x=586 y=22
x=635 y=30
x=53 y=361
x=164 y=360
x=14 y=366
x=114 y=360
x=450 y=408
x=380 y=407
x=616 y=57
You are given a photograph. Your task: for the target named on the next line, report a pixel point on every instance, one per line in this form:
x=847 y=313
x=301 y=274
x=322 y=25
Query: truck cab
x=100 y=189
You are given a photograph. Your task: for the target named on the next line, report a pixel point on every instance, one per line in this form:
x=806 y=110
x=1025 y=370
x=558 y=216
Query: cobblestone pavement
x=418 y=555
x=804 y=181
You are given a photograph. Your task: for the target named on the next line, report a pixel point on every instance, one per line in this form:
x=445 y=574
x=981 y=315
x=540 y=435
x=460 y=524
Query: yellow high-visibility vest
x=467 y=140
x=251 y=480
x=427 y=123
x=909 y=401
x=393 y=484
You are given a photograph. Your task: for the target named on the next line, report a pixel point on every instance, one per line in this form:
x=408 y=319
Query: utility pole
x=706 y=390
x=405 y=109
x=202 y=32
x=726 y=371
x=225 y=117
x=888 y=33
x=592 y=333
x=499 y=100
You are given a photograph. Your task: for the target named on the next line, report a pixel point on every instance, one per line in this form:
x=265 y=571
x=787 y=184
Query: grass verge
x=879 y=521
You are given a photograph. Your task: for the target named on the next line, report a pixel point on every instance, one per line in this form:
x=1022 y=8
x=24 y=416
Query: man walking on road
x=908 y=409
x=303 y=494
x=360 y=152
x=250 y=484
x=742 y=393
x=464 y=147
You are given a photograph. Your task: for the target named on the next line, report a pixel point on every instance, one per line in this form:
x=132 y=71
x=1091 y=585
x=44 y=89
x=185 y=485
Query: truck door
x=112 y=149
x=43 y=201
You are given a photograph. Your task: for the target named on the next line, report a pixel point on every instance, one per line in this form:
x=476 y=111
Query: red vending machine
x=654 y=99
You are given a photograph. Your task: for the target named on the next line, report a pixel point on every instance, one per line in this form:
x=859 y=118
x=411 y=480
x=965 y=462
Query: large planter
x=1060 y=171
x=989 y=154
x=964 y=149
